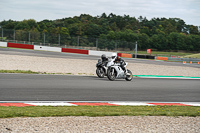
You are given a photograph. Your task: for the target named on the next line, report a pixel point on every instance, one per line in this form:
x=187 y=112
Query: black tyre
x=111 y=74
x=100 y=72
x=129 y=75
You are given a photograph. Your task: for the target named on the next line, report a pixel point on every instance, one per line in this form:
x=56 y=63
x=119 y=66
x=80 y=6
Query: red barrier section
x=126 y=55
x=17 y=45
x=119 y=54
x=78 y=51
x=161 y=58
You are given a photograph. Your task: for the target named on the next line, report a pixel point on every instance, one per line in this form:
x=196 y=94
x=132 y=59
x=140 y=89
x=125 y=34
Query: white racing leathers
x=116 y=72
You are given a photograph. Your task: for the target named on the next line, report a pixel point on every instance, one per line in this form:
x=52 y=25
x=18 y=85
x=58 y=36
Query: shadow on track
x=104 y=79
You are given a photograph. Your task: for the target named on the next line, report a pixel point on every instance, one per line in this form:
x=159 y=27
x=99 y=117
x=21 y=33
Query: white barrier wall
x=46 y=48
x=3 y=44
x=57 y=49
x=99 y=53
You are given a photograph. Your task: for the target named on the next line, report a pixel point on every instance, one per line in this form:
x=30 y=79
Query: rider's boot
x=125 y=72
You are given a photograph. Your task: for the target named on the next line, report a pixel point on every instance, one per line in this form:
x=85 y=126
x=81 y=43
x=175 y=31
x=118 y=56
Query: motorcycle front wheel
x=111 y=74
x=129 y=75
x=100 y=72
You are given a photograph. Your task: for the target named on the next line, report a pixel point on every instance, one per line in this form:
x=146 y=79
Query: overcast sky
x=188 y=10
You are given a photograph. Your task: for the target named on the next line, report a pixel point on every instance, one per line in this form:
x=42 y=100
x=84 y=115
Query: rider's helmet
x=114 y=55
x=103 y=56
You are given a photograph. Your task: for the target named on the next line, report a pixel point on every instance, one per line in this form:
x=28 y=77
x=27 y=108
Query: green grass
x=157 y=53
x=30 y=72
x=193 y=56
x=93 y=111
x=4 y=38
x=18 y=71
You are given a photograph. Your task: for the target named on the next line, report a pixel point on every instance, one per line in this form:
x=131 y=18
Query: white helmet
x=114 y=55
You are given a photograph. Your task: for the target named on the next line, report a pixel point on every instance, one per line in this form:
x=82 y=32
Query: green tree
x=111 y=45
x=176 y=41
x=193 y=30
x=32 y=23
x=145 y=30
x=111 y=35
x=10 y=24
x=34 y=35
x=102 y=41
x=92 y=30
x=169 y=28
x=180 y=24
x=158 y=41
x=158 y=33
x=143 y=42
x=21 y=35
x=114 y=27
x=64 y=31
x=22 y=26
x=129 y=36
x=193 y=43
x=75 y=29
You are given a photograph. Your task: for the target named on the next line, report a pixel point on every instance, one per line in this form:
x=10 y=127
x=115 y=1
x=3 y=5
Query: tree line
x=157 y=33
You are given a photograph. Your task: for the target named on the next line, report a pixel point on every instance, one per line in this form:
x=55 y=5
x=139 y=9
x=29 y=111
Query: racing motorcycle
x=102 y=67
x=116 y=72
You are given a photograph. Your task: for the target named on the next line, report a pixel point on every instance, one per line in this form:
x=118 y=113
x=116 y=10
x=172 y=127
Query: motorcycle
x=116 y=72
x=102 y=67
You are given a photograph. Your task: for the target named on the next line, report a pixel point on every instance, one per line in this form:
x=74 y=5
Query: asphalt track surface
x=24 y=52
x=33 y=87
x=30 y=87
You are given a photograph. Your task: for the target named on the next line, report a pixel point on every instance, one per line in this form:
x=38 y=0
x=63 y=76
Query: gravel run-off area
x=86 y=67
x=118 y=124
x=114 y=124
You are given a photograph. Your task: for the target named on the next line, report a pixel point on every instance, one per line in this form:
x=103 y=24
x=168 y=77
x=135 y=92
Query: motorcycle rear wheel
x=129 y=77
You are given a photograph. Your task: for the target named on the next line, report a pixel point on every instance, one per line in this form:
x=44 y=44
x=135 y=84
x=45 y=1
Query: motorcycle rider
x=119 y=60
x=104 y=59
